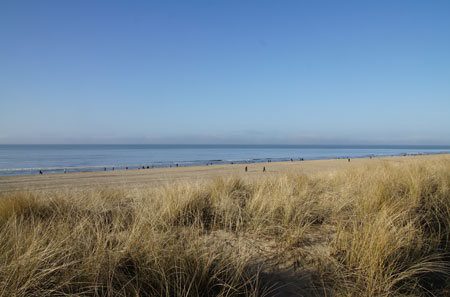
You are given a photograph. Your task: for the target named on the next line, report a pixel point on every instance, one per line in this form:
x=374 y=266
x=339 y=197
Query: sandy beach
x=155 y=176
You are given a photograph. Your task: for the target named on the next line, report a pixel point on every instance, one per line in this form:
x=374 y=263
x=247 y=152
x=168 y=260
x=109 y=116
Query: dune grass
x=374 y=231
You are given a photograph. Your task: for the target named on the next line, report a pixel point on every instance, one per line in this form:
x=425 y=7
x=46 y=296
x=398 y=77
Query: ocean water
x=29 y=159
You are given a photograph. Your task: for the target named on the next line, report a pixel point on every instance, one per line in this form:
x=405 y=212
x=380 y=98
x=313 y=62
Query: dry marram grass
x=374 y=231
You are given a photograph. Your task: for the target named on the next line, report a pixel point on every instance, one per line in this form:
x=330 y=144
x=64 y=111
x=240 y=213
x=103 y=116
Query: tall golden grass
x=381 y=230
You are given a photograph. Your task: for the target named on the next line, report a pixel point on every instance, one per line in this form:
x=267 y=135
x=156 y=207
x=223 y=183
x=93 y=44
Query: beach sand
x=155 y=176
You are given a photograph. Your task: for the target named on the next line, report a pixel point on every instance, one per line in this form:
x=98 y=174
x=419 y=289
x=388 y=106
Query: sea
x=30 y=159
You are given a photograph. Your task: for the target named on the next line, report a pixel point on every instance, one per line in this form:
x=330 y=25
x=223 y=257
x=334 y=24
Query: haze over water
x=29 y=159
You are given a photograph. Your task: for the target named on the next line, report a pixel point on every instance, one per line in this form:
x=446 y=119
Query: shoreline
x=133 y=178
x=194 y=163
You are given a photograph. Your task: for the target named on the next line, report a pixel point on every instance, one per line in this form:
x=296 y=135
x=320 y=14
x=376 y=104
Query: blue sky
x=291 y=72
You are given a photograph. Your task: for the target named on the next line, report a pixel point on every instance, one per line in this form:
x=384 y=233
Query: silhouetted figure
x=264 y=169
x=246 y=168
x=113 y=168
x=177 y=164
x=40 y=171
x=348 y=159
x=126 y=168
x=105 y=169
x=64 y=170
x=292 y=160
x=148 y=167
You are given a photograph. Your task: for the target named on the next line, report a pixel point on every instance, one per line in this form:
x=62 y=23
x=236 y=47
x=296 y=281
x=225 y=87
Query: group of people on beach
x=208 y=163
x=177 y=165
x=246 y=169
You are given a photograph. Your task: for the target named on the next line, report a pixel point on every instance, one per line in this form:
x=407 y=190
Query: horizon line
x=232 y=144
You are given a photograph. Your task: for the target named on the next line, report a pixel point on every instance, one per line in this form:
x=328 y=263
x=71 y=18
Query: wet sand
x=155 y=176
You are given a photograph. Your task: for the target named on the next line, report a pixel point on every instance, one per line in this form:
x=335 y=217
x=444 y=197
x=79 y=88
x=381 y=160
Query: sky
x=225 y=72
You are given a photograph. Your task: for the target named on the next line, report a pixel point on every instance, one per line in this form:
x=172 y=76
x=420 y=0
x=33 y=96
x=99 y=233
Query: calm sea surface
x=29 y=159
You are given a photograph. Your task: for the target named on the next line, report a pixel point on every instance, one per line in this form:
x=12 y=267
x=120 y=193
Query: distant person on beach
x=40 y=171
x=64 y=170
x=126 y=168
x=105 y=169
x=246 y=168
x=177 y=164
x=349 y=159
x=113 y=168
x=264 y=169
x=148 y=167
